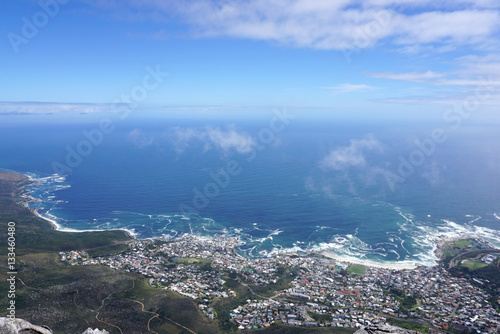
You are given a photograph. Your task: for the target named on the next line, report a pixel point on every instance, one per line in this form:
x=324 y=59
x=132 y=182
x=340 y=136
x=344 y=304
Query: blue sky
x=340 y=54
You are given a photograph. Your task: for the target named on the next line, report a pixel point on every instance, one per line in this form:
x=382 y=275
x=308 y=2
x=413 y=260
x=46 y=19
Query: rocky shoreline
x=442 y=244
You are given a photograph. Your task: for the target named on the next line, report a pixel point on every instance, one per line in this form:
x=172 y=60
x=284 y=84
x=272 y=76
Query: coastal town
x=306 y=290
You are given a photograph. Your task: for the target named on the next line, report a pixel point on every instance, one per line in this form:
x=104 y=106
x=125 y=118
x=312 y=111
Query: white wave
x=276 y=232
x=408 y=217
x=290 y=250
x=429 y=236
x=402 y=246
x=393 y=251
x=453 y=229
x=475 y=219
x=403 y=226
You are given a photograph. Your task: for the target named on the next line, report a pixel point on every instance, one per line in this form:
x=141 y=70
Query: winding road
x=453 y=262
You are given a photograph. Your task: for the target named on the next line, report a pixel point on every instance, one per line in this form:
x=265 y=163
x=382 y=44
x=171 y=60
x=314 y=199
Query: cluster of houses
x=190 y=281
x=447 y=301
x=321 y=296
x=319 y=293
x=489 y=258
x=262 y=313
x=74 y=257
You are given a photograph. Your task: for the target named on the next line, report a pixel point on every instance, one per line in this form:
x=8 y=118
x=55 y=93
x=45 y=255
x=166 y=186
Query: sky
x=343 y=55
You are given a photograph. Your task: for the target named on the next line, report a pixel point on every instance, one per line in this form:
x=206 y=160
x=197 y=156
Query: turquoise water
x=330 y=184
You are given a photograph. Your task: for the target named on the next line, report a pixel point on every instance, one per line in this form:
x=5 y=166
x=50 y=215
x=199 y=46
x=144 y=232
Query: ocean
x=380 y=190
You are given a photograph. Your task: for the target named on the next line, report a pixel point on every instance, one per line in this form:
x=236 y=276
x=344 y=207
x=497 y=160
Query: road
x=478 y=251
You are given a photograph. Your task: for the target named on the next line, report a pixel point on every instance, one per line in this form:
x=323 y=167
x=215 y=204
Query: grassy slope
x=462 y=243
x=473 y=264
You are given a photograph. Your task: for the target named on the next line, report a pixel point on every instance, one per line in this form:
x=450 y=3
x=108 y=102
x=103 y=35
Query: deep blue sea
x=379 y=189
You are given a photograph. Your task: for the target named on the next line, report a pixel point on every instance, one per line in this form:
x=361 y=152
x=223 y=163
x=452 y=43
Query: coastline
x=57 y=227
x=25 y=199
x=441 y=243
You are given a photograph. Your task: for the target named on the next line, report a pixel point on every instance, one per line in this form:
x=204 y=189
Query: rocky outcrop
x=95 y=331
x=384 y=329
x=20 y=326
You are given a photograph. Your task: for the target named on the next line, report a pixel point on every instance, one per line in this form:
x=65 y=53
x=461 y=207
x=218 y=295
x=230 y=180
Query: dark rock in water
x=384 y=329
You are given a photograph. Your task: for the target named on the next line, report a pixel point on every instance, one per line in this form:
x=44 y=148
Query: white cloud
x=140 y=139
x=349 y=88
x=466 y=82
x=437 y=4
x=338 y=24
x=473 y=76
x=417 y=27
x=183 y=136
x=480 y=67
x=48 y=108
x=353 y=155
x=230 y=139
x=411 y=76
x=458 y=27
x=485 y=98
x=226 y=140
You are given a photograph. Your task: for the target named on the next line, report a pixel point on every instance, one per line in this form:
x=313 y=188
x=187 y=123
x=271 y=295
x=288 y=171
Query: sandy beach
x=390 y=266
x=59 y=228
